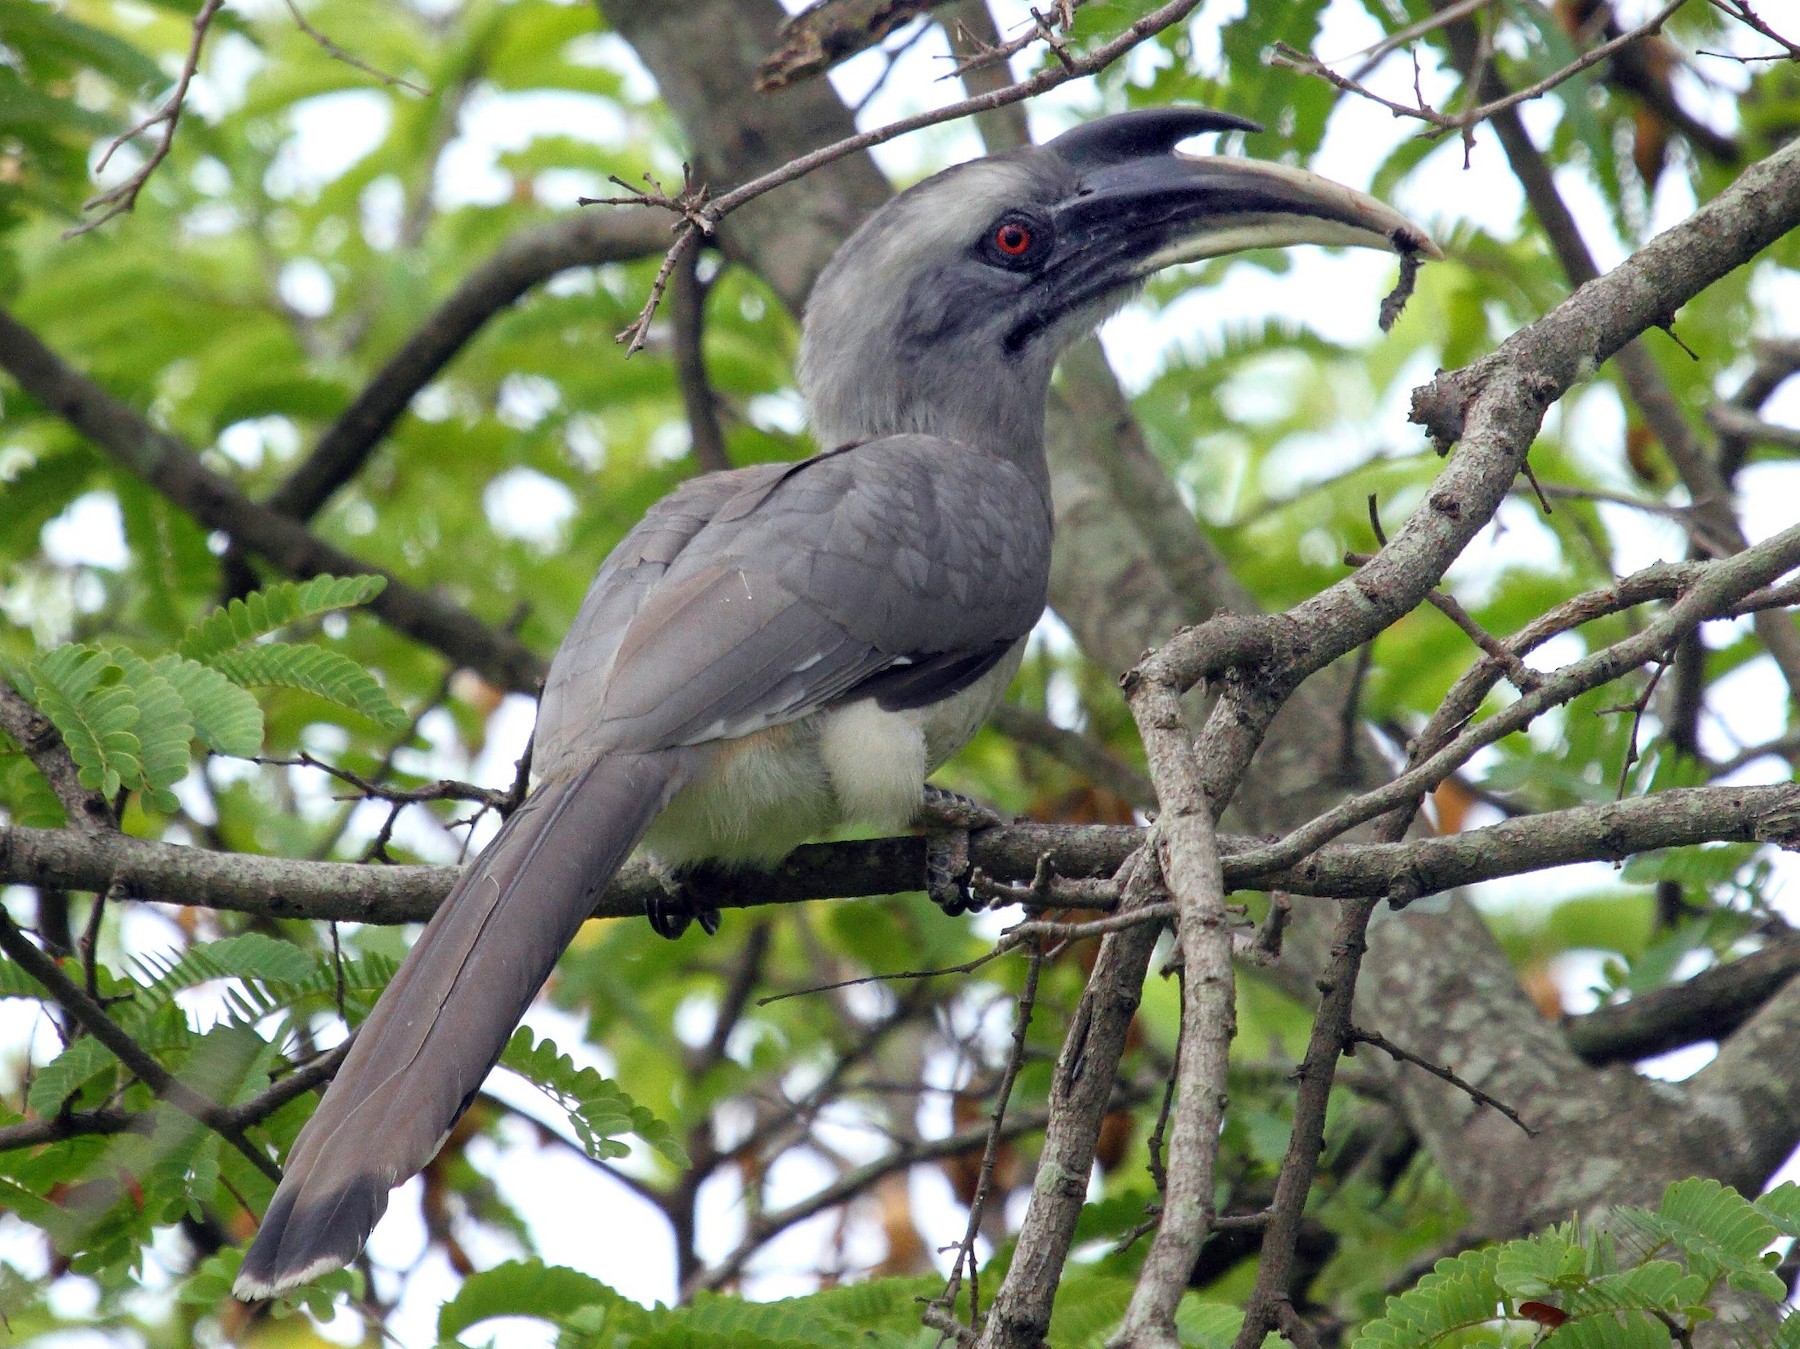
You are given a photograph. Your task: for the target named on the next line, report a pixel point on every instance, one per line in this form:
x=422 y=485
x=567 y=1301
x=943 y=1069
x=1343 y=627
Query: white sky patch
x=529 y=506
x=90 y=532
x=307 y=288
x=782 y=411
x=494 y=122
x=330 y=134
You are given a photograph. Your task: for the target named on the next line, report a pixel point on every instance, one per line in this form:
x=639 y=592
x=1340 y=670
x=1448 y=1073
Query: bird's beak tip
x=1242 y=203
x=1410 y=238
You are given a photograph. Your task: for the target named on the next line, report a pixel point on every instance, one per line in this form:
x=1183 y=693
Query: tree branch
x=280 y=887
x=1188 y=850
x=1709 y=1006
x=92 y=1018
x=118 y=200
x=174 y=470
x=33 y=732
x=528 y=259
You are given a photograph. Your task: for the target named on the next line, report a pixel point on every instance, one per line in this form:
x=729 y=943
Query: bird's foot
x=949 y=818
x=676 y=906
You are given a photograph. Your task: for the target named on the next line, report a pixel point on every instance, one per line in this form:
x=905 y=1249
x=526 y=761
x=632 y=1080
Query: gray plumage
x=778 y=649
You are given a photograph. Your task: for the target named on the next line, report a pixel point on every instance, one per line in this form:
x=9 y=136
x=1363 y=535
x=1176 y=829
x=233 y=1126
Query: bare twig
x=1469 y=1089
x=1441 y=123
x=445 y=789
x=828 y=32
x=116 y=201
x=1744 y=14
x=337 y=53
x=965 y=1250
x=1521 y=675
x=703 y=215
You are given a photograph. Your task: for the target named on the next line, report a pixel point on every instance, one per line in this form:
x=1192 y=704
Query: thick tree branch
x=174 y=470
x=1187 y=847
x=1754 y=1083
x=279 y=887
x=1709 y=1006
x=527 y=260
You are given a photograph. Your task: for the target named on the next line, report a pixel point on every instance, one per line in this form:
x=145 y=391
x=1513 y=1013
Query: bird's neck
x=997 y=411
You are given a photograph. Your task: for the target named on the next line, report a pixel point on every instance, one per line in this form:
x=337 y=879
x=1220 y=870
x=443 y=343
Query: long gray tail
x=439 y=1028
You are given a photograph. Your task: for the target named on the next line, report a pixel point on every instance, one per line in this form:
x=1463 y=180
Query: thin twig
x=1440 y=123
x=1741 y=11
x=1637 y=707
x=1473 y=1092
x=1521 y=675
x=118 y=200
x=92 y=1018
x=965 y=1250
x=337 y=53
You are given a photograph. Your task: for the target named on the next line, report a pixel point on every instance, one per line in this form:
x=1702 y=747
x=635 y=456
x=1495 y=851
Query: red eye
x=1012 y=239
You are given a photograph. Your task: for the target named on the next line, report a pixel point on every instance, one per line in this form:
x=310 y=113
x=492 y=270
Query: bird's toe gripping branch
x=676 y=906
x=948 y=819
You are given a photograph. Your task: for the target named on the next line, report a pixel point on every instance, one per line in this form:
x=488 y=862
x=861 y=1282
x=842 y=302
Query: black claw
x=673 y=909
x=952 y=810
x=949 y=817
x=667 y=919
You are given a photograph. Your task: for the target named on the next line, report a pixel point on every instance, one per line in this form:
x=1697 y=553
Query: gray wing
x=895 y=567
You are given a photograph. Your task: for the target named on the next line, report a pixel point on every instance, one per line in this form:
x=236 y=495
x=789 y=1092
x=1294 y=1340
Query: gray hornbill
x=781 y=648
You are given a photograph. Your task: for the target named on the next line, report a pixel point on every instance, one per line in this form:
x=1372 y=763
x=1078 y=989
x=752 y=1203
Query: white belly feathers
x=765 y=793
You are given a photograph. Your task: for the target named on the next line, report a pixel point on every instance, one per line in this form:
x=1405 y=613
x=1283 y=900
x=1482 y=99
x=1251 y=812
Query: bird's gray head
x=945 y=312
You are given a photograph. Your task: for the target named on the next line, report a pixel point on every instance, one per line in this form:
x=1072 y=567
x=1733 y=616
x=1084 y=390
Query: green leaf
x=331 y=676
x=1781 y=1206
x=1207 y=1325
x=225 y=717
x=15 y=983
x=520 y=1288
x=250 y=955
x=598 y=1107
x=1460 y=1292
x=164 y=729
x=264 y=611
x=1611 y=1330
x=67 y=1074
x=79 y=689
x=1716 y=1230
